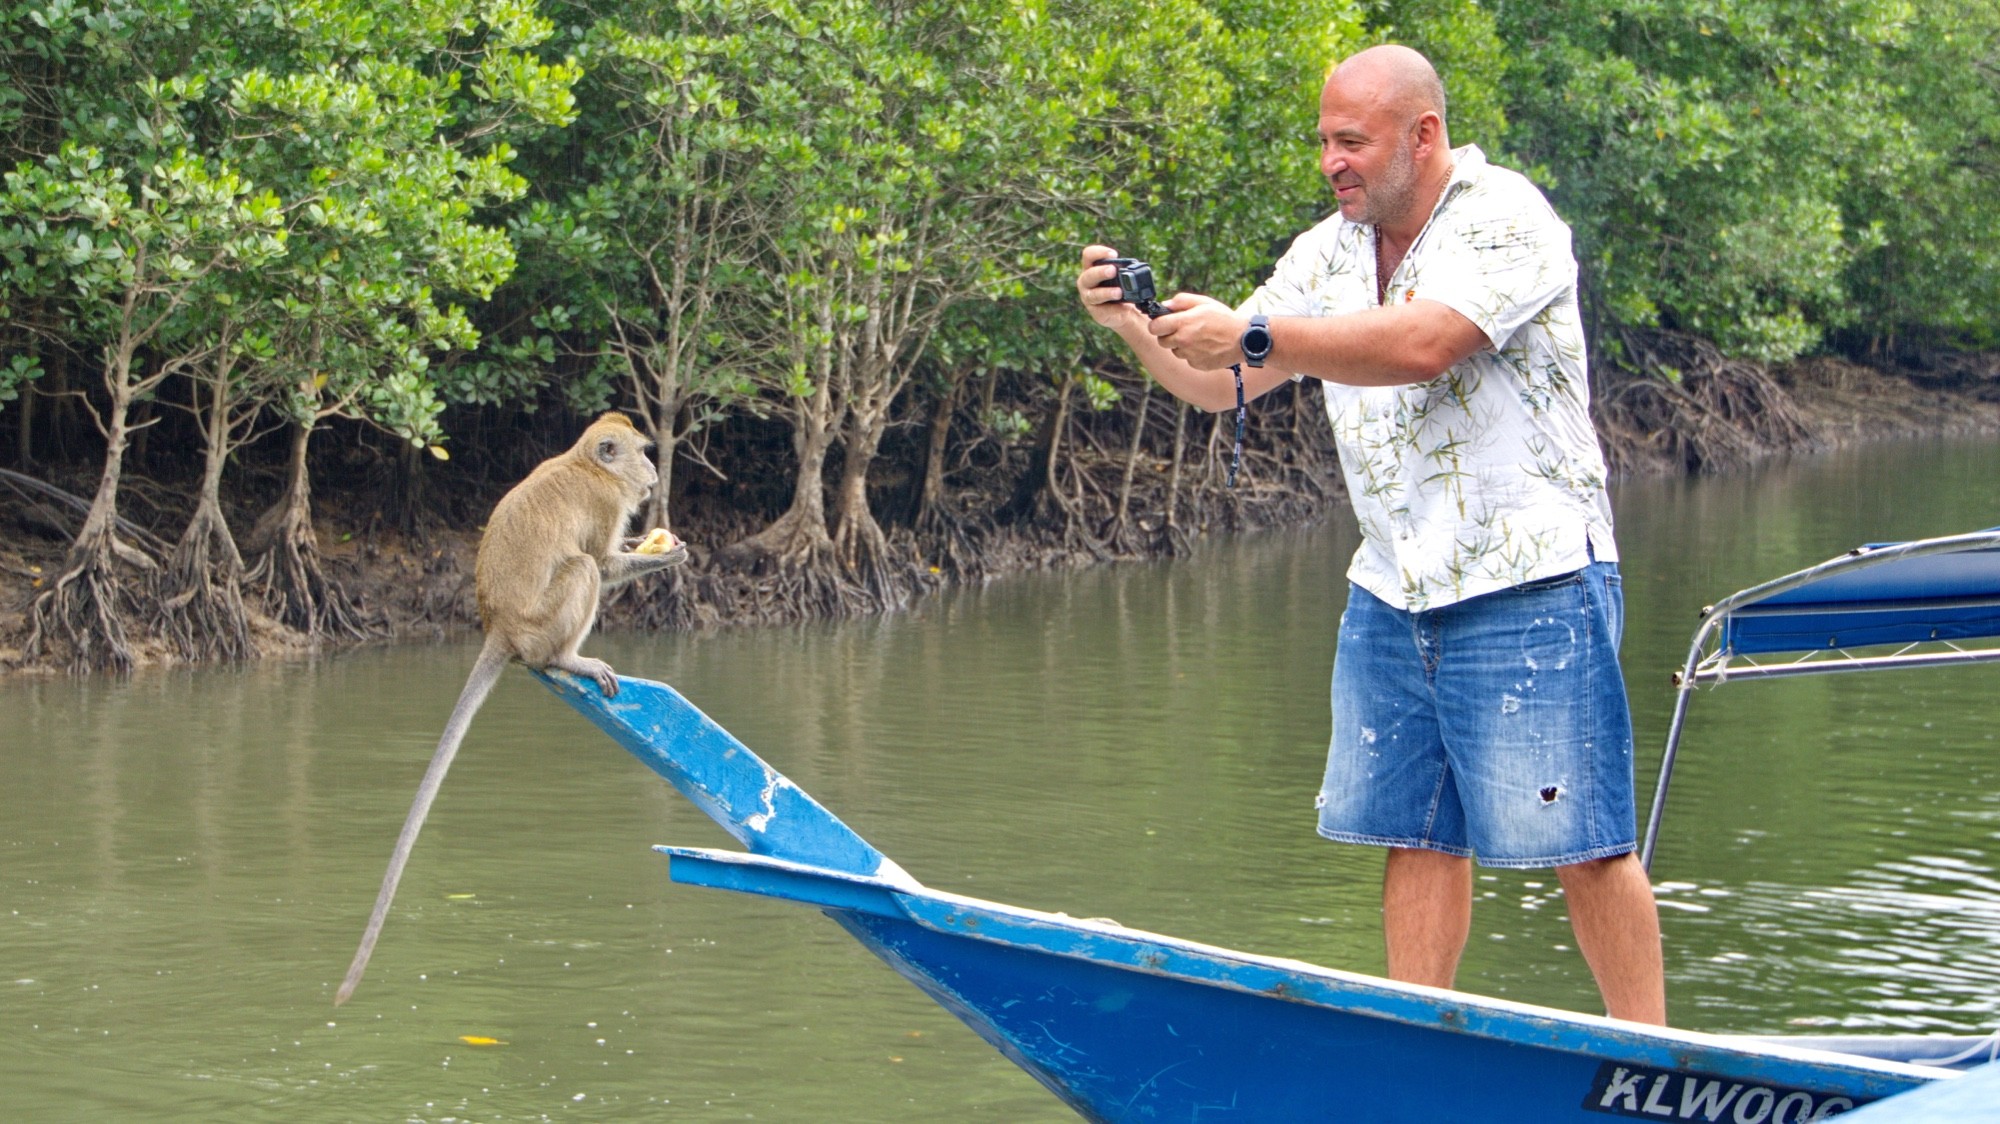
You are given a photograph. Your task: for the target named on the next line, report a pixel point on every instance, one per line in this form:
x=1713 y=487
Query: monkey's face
x=628 y=455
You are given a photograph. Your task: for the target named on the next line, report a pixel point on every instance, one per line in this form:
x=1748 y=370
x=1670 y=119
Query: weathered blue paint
x=1972 y=1099
x=753 y=802
x=1126 y=1025
x=1129 y=1025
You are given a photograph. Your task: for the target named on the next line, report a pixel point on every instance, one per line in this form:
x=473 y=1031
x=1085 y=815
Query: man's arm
x=1211 y=387
x=1389 y=346
x=1190 y=350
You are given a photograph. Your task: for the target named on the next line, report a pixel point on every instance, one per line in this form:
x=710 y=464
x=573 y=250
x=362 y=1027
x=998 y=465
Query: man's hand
x=1100 y=296
x=1196 y=326
x=1201 y=331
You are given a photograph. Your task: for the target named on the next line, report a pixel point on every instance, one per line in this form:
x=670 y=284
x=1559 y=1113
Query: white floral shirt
x=1489 y=475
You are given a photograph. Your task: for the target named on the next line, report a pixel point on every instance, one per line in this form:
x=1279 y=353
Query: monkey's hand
x=661 y=541
x=657 y=551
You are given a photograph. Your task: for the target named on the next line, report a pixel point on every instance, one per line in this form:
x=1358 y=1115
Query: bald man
x=1478 y=707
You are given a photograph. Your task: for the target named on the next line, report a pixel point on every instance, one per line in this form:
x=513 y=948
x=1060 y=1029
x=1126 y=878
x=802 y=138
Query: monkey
x=554 y=542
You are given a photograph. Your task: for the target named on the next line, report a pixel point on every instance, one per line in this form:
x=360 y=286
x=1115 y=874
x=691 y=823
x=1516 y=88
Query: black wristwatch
x=1256 y=341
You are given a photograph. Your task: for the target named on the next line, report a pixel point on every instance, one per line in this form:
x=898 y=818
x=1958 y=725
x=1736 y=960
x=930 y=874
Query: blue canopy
x=1908 y=599
x=1927 y=596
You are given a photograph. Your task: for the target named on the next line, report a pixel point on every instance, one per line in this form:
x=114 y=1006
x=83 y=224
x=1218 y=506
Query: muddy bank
x=1101 y=503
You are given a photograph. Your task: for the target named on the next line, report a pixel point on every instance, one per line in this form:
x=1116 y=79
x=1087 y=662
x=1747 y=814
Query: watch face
x=1257 y=341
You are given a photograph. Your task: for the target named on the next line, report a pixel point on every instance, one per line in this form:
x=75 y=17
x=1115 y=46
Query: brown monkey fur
x=554 y=541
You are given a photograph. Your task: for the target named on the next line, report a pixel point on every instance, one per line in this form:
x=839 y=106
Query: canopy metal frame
x=1713 y=660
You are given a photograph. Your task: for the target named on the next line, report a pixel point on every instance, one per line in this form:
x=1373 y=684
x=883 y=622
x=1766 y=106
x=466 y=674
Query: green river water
x=186 y=859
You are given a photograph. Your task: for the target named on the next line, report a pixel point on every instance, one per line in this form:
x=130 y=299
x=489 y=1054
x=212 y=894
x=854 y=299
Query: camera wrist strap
x=1236 y=450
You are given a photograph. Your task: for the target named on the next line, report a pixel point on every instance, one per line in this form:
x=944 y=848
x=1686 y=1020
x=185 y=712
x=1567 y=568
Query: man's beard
x=1390 y=195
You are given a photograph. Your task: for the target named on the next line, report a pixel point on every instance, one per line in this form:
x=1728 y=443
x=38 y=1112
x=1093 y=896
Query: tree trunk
x=1116 y=532
x=1051 y=490
x=952 y=539
x=409 y=494
x=1298 y=445
x=86 y=610
x=660 y=401
x=930 y=499
x=859 y=544
x=202 y=592
x=1029 y=502
x=25 y=420
x=792 y=559
x=288 y=577
x=798 y=538
x=664 y=446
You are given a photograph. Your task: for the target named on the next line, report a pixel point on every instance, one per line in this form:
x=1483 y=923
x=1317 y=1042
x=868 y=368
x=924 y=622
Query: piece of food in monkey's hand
x=659 y=542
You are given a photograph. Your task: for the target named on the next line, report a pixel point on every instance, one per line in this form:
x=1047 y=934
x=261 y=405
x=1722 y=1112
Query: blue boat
x=1127 y=1025
x=1973 y=1099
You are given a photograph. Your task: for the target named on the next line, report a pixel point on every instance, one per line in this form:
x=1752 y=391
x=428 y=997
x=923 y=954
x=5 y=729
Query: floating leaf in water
x=479 y=1040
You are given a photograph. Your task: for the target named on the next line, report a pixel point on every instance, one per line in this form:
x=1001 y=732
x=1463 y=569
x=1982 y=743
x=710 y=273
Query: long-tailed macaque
x=553 y=543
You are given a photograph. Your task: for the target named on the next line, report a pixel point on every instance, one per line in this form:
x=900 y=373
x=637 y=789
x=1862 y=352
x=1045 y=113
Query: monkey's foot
x=607 y=680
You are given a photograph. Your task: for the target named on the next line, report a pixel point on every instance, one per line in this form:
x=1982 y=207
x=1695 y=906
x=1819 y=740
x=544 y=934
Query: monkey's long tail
x=485 y=673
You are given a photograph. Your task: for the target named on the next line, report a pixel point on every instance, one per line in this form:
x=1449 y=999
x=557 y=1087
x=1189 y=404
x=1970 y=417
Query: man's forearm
x=1210 y=390
x=1409 y=343
x=1396 y=346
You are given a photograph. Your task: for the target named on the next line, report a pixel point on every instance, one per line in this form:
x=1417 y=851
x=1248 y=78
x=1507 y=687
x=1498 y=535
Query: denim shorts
x=1496 y=727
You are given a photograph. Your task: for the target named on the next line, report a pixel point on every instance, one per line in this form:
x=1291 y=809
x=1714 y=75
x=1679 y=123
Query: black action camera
x=1135 y=285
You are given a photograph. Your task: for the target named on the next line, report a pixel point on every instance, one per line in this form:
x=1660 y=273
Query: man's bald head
x=1383 y=145
x=1394 y=77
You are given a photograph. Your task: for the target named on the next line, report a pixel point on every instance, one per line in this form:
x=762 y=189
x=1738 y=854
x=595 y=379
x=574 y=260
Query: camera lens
x=1135 y=282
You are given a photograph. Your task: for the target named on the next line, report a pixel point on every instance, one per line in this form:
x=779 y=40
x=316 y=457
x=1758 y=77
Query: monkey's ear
x=607 y=449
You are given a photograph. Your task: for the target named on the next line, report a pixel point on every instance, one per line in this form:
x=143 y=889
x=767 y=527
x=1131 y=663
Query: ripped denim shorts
x=1496 y=727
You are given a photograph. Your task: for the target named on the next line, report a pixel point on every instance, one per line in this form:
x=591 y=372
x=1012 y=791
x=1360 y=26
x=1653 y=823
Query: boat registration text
x=1665 y=1094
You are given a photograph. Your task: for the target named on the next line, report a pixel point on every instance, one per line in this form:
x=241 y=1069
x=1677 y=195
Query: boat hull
x=1126 y=1025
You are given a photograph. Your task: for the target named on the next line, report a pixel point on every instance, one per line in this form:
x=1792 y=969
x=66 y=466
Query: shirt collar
x=1467 y=163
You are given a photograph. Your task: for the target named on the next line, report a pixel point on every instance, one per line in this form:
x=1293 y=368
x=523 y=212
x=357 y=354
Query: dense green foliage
x=829 y=217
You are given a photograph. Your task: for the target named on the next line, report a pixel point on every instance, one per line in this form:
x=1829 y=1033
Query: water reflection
x=186 y=859
x=1806 y=807
x=1905 y=946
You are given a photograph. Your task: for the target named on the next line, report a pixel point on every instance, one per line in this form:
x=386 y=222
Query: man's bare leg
x=1426 y=914
x=1617 y=926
